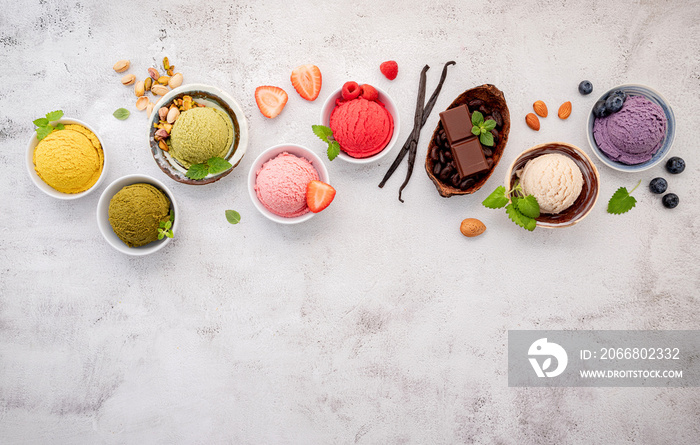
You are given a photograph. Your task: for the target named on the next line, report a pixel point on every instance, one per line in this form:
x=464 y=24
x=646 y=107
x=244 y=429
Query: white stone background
x=375 y=322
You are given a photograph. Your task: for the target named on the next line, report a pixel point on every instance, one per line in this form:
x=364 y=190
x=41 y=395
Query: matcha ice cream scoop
x=200 y=134
x=135 y=213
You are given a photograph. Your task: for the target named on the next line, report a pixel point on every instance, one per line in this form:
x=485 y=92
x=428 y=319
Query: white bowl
x=272 y=152
x=211 y=97
x=328 y=107
x=103 y=215
x=44 y=187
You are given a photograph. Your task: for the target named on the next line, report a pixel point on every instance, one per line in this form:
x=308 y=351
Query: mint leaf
x=233 y=216
x=486 y=139
x=322 y=132
x=41 y=122
x=496 y=199
x=518 y=218
x=489 y=125
x=333 y=150
x=477 y=118
x=161 y=234
x=218 y=165
x=60 y=126
x=169 y=233
x=167 y=224
x=54 y=115
x=621 y=202
x=528 y=206
x=42 y=132
x=476 y=131
x=198 y=171
x=121 y=114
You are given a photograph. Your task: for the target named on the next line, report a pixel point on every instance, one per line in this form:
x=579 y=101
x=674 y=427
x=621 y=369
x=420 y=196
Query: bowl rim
x=269 y=153
x=668 y=143
x=103 y=219
x=243 y=136
x=594 y=169
x=389 y=104
x=47 y=189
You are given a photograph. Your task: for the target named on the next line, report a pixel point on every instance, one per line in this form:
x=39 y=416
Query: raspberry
x=390 y=69
x=369 y=92
x=350 y=90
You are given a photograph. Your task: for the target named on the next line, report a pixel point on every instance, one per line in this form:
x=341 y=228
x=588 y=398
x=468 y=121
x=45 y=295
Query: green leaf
x=42 y=132
x=621 y=202
x=54 y=115
x=476 y=130
x=333 y=150
x=172 y=216
x=218 y=165
x=518 y=218
x=322 y=132
x=161 y=234
x=167 y=225
x=233 y=216
x=489 y=125
x=486 y=139
x=41 y=122
x=497 y=199
x=198 y=171
x=529 y=206
x=121 y=114
x=477 y=118
x=169 y=233
x=60 y=126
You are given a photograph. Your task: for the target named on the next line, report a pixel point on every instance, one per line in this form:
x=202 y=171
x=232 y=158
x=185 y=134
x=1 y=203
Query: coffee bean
x=448 y=154
x=484 y=110
x=434 y=152
x=442 y=157
x=466 y=183
x=497 y=117
x=489 y=161
x=488 y=117
x=446 y=172
x=487 y=151
x=437 y=168
x=476 y=103
x=454 y=180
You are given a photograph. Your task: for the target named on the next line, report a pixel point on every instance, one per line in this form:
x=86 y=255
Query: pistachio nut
x=149 y=107
x=121 y=66
x=163 y=146
x=129 y=79
x=147 y=84
x=175 y=81
x=163 y=113
x=160 y=90
x=153 y=73
x=163 y=80
x=161 y=134
x=142 y=103
x=173 y=114
x=166 y=64
x=139 y=88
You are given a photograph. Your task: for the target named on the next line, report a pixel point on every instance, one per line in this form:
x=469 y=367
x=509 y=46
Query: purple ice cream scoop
x=634 y=134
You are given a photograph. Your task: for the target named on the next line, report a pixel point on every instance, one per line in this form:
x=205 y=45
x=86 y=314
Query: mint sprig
x=621 y=201
x=326 y=135
x=212 y=166
x=43 y=124
x=166 y=227
x=483 y=128
x=521 y=209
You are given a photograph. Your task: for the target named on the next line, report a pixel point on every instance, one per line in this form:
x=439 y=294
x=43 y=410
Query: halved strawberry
x=306 y=79
x=319 y=195
x=271 y=100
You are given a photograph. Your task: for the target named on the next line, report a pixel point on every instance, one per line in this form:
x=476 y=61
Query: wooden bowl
x=492 y=99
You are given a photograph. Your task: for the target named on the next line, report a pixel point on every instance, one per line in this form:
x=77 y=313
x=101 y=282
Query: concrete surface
x=376 y=321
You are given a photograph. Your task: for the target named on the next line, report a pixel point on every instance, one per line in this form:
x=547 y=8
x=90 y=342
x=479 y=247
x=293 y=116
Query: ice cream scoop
x=362 y=127
x=634 y=134
x=554 y=180
x=135 y=213
x=281 y=184
x=200 y=134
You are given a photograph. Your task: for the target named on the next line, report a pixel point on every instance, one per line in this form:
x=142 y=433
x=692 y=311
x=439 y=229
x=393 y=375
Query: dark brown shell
x=496 y=101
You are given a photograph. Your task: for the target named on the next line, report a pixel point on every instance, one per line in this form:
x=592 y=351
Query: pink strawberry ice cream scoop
x=281 y=183
x=362 y=127
x=634 y=134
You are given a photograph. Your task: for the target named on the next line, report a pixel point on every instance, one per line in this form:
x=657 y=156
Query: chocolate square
x=457 y=123
x=469 y=157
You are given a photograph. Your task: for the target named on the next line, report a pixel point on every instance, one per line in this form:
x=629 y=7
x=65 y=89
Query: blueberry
x=670 y=200
x=675 y=165
x=599 y=109
x=620 y=93
x=614 y=103
x=658 y=185
x=585 y=87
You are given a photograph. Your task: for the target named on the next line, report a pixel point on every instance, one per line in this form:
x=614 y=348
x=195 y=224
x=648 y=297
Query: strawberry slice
x=306 y=79
x=271 y=100
x=319 y=195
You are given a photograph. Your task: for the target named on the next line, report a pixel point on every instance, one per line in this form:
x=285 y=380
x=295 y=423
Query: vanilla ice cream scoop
x=554 y=180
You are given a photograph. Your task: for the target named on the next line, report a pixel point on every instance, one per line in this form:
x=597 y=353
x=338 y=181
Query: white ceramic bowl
x=328 y=107
x=272 y=152
x=658 y=99
x=103 y=215
x=44 y=187
x=211 y=97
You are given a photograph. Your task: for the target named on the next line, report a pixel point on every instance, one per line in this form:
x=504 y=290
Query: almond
x=540 y=108
x=565 y=110
x=121 y=66
x=472 y=227
x=532 y=121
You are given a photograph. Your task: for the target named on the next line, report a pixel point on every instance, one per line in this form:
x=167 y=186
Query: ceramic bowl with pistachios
x=195 y=128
